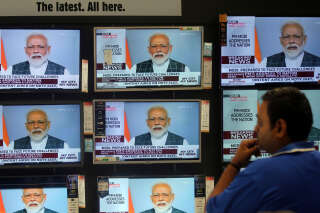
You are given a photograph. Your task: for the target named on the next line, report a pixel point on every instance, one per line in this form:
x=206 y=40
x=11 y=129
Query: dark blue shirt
x=289 y=180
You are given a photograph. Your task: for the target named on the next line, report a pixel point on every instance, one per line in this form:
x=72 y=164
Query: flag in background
x=126 y=129
x=2 y=209
x=131 y=209
x=128 y=58
x=257 y=52
x=5 y=135
x=3 y=55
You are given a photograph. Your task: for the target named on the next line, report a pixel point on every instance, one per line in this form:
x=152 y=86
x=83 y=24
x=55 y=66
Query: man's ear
x=280 y=128
x=49 y=124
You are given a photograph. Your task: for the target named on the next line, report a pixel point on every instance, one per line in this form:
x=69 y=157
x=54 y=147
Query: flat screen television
x=29 y=194
x=142 y=194
x=239 y=118
x=146 y=131
x=155 y=58
x=40 y=134
x=43 y=59
x=264 y=50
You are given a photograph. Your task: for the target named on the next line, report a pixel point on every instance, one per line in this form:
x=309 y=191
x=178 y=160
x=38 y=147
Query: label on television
x=40 y=59
x=259 y=50
x=137 y=131
x=151 y=57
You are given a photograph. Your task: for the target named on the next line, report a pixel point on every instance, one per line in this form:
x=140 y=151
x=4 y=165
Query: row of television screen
x=254 y=50
x=129 y=194
x=125 y=131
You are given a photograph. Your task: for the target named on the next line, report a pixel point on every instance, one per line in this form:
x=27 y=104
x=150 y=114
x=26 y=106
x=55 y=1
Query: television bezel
x=150 y=88
x=267 y=85
x=49 y=164
x=81 y=31
x=148 y=162
x=148 y=177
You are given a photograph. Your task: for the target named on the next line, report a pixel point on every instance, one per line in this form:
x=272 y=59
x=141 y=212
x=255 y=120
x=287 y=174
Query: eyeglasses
x=36 y=47
x=163 y=46
x=294 y=37
x=160 y=119
x=157 y=195
x=35 y=195
x=39 y=122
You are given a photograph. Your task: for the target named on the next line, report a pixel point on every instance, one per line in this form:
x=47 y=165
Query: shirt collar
x=300 y=146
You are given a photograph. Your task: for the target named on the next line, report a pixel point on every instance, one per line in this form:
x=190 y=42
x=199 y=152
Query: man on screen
x=37 y=50
x=34 y=199
x=160 y=62
x=293 y=39
x=158 y=135
x=162 y=199
x=37 y=125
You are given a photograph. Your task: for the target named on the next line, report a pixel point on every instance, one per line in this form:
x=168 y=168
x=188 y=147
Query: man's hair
x=291 y=105
x=157 y=107
x=43 y=192
x=36 y=110
x=292 y=23
x=159 y=34
x=37 y=34
x=161 y=183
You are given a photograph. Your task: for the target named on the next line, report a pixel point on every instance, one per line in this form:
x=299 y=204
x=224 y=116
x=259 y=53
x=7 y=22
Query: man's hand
x=246 y=149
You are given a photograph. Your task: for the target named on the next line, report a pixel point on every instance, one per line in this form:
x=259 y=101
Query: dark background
x=204 y=13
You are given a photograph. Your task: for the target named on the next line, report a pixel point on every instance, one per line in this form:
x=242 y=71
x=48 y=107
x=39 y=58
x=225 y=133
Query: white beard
x=292 y=54
x=38 y=137
x=34 y=209
x=162 y=209
x=158 y=133
x=160 y=60
x=37 y=62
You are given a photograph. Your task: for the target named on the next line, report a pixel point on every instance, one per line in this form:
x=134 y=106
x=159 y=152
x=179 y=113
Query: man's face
x=158 y=122
x=33 y=199
x=159 y=49
x=264 y=131
x=37 y=125
x=162 y=197
x=37 y=50
x=292 y=40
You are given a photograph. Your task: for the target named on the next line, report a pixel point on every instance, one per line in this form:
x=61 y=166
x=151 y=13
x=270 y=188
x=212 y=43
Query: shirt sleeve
x=240 y=196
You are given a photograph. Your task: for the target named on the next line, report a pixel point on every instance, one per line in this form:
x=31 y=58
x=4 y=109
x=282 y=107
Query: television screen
x=136 y=131
x=150 y=194
x=40 y=59
x=37 y=194
x=239 y=118
x=136 y=58
x=40 y=134
x=260 y=50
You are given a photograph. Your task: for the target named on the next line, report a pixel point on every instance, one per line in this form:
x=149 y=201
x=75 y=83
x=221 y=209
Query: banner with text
x=90 y=8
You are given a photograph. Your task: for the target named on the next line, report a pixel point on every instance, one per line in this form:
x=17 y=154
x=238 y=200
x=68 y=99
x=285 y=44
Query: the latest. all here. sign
x=90 y=8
